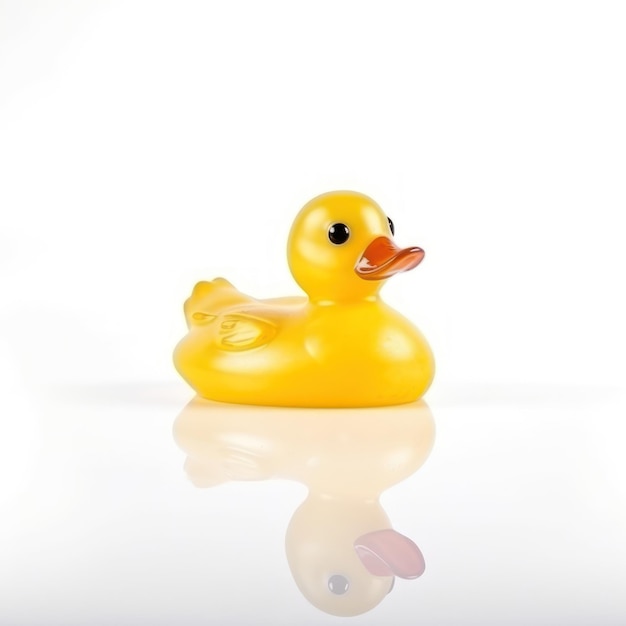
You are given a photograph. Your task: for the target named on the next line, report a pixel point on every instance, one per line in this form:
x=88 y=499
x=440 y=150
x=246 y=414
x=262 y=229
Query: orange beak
x=382 y=259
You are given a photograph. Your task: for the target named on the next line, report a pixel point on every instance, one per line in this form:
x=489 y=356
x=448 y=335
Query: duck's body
x=288 y=352
x=340 y=347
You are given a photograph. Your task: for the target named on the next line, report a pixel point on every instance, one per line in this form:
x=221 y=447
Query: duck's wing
x=243 y=331
x=210 y=298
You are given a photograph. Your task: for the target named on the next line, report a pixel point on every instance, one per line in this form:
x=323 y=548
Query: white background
x=148 y=145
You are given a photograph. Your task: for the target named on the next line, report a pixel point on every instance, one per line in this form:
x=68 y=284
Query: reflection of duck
x=342 y=551
x=292 y=351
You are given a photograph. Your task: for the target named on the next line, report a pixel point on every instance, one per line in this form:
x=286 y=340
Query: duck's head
x=341 y=248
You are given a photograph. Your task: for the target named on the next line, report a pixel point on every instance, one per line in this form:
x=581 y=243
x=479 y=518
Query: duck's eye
x=338 y=234
x=391 y=226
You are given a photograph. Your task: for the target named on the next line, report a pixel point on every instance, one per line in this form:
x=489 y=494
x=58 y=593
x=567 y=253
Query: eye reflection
x=338 y=584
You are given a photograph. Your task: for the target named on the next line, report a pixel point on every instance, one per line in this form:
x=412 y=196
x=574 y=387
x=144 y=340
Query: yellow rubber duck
x=340 y=347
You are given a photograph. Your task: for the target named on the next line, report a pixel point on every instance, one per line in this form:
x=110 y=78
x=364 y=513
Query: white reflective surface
x=127 y=505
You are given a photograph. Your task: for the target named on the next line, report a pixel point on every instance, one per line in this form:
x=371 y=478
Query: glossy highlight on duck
x=340 y=346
